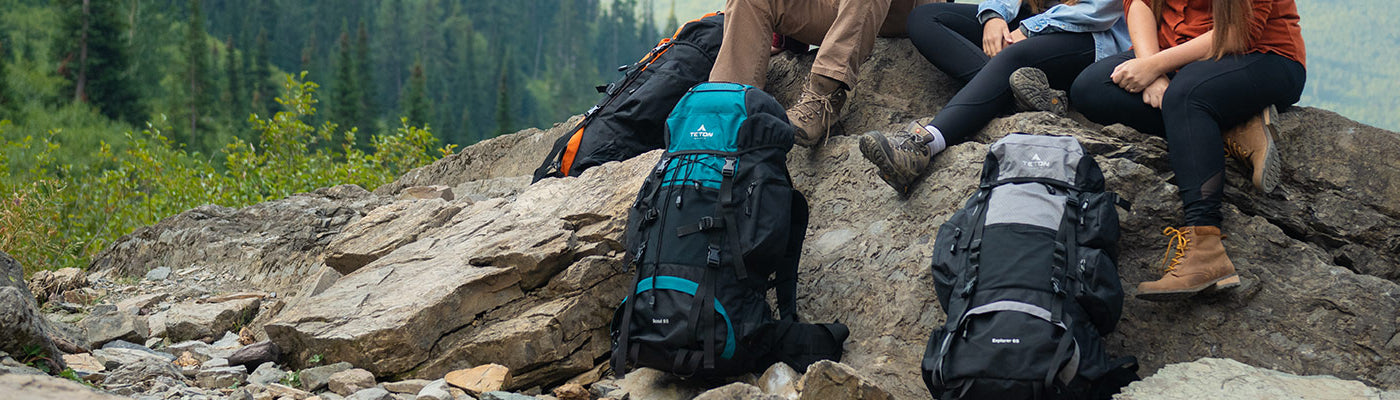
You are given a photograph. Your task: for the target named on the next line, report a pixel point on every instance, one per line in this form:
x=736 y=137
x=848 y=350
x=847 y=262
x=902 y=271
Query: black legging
x=950 y=37
x=1203 y=97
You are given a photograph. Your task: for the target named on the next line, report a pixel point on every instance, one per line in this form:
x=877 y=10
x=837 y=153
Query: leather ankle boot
x=1199 y=264
x=817 y=109
x=1253 y=143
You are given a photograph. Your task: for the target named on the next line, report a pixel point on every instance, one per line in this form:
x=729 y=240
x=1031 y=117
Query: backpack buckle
x=712 y=259
x=707 y=223
x=728 y=170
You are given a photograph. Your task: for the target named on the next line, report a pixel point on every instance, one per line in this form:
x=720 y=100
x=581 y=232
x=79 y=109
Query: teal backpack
x=716 y=225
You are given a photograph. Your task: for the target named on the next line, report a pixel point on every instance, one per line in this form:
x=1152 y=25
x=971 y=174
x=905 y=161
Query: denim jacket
x=1103 y=18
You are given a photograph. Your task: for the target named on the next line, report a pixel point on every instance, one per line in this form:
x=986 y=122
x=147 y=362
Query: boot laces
x=1236 y=150
x=1181 y=241
x=825 y=108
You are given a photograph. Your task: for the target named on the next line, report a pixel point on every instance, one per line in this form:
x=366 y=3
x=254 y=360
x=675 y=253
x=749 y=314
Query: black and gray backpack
x=717 y=224
x=1027 y=274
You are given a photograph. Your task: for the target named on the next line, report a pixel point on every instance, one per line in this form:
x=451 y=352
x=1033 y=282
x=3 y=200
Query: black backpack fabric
x=1027 y=274
x=717 y=224
x=629 y=119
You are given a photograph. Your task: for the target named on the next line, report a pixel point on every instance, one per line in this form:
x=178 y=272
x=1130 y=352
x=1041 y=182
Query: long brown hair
x=1039 y=5
x=1231 y=24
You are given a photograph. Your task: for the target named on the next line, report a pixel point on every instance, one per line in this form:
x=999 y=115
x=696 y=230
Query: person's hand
x=1152 y=95
x=1015 y=36
x=1135 y=75
x=994 y=36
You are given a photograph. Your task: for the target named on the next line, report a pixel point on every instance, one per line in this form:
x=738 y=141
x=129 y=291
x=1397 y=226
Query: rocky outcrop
x=527 y=276
x=270 y=246
x=1224 y=379
x=541 y=269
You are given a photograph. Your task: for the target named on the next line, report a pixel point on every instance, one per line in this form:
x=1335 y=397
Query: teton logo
x=1035 y=162
x=701 y=133
x=1006 y=341
x=661 y=320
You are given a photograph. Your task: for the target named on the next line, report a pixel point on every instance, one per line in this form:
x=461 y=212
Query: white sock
x=938 y=143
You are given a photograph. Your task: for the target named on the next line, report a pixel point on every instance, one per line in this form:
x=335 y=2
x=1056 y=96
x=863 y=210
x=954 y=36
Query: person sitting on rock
x=1198 y=66
x=1011 y=53
x=845 y=31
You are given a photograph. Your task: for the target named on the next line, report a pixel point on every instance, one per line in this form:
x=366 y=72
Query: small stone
x=83 y=363
x=832 y=380
x=408 y=386
x=215 y=362
x=277 y=390
x=187 y=360
x=348 y=382
x=222 y=377
x=113 y=359
x=156 y=323
x=736 y=391
x=572 y=391
x=499 y=395
x=158 y=274
x=228 y=341
x=314 y=379
x=373 y=393
x=267 y=373
x=435 y=390
x=141 y=305
x=780 y=380
x=480 y=379
x=256 y=354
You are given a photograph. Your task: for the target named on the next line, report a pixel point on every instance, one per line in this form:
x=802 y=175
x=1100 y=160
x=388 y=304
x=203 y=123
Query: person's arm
x=995 y=32
x=1259 y=18
x=1084 y=16
x=1142 y=28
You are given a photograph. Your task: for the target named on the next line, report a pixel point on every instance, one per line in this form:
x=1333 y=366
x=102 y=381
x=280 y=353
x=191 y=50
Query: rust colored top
x=1273 y=26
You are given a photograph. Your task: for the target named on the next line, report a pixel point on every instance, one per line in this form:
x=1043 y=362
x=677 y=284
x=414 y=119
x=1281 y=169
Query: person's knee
x=1088 y=94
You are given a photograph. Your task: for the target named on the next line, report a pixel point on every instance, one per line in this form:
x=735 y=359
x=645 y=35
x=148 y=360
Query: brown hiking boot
x=817 y=109
x=1032 y=90
x=1199 y=264
x=900 y=160
x=1253 y=143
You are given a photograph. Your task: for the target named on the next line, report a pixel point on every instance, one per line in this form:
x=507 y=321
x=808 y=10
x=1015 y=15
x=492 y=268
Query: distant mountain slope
x=1353 y=54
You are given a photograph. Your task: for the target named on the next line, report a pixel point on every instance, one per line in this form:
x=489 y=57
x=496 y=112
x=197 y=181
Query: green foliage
x=70 y=374
x=93 y=57
x=35 y=357
x=56 y=214
x=315 y=359
x=292 y=379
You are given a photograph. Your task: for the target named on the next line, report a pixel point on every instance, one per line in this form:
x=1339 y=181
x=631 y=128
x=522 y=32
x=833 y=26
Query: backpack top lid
x=1023 y=156
x=708 y=118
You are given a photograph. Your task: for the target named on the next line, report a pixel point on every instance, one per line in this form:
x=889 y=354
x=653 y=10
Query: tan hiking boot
x=1253 y=143
x=899 y=158
x=1199 y=264
x=817 y=109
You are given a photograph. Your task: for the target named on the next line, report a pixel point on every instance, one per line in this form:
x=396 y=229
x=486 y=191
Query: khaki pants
x=845 y=30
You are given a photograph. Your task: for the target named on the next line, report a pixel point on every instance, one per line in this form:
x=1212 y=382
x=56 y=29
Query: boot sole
x=1032 y=91
x=875 y=149
x=1222 y=283
x=1271 y=172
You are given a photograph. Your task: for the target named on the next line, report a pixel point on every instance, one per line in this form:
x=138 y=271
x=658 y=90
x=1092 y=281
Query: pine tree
x=672 y=24
x=93 y=58
x=308 y=55
x=197 y=80
x=345 y=94
x=364 y=76
x=234 y=94
x=415 y=100
x=503 y=114
x=258 y=79
x=7 y=100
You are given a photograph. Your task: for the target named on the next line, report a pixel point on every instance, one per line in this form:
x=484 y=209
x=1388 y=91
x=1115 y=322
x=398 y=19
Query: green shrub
x=56 y=214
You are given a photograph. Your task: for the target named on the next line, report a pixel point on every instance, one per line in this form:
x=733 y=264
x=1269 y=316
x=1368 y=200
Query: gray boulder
x=1225 y=379
x=192 y=321
x=737 y=391
x=221 y=377
x=267 y=373
x=22 y=328
x=107 y=323
x=313 y=379
x=42 y=387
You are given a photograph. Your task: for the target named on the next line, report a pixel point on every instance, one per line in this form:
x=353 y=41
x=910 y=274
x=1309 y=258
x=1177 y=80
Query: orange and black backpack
x=631 y=117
